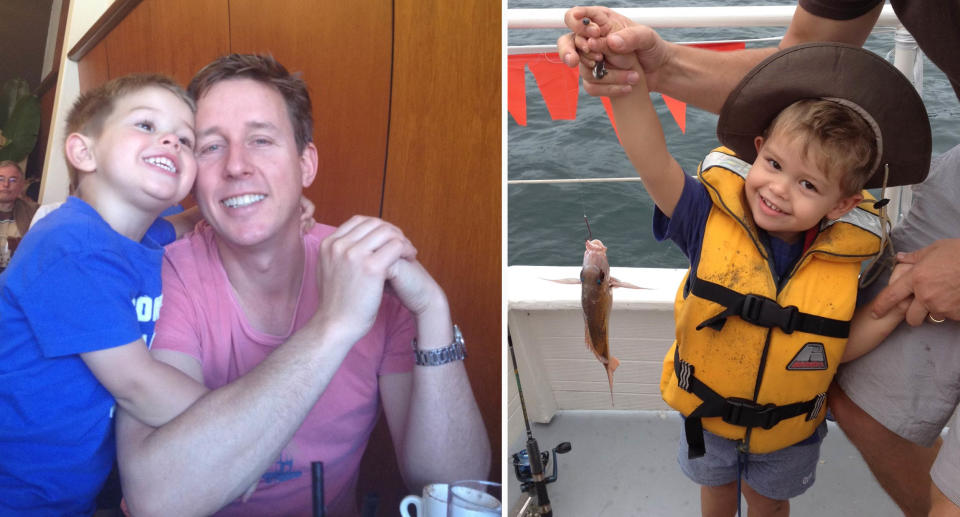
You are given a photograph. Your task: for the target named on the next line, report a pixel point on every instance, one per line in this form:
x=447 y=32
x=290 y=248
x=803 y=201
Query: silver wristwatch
x=455 y=351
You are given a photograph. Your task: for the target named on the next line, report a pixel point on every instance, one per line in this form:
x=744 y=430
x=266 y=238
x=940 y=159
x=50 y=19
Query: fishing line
x=583 y=208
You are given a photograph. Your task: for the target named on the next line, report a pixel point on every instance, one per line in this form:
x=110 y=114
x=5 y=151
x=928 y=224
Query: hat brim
x=821 y=70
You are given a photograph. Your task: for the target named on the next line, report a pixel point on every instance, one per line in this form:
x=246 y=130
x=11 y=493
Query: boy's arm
x=868 y=331
x=642 y=138
x=184 y=222
x=152 y=391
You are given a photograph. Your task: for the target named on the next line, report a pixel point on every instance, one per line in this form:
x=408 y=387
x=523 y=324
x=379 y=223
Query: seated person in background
x=16 y=210
x=295 y=333
x=80 y=299
x=764 y=314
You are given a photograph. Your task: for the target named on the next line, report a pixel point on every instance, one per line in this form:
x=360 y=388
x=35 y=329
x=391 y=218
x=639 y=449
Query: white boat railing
x=677 y=17
x=906 y=56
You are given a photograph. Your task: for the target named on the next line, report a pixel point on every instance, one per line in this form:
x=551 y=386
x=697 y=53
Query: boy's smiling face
x=144 y=154
x=786 y=191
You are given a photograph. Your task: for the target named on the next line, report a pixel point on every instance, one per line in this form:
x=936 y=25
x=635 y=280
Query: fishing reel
x=524 y=472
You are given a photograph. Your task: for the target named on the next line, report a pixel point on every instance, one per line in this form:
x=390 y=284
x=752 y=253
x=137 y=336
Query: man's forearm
x=690 y=69
x=213 y=452
x=445 y=438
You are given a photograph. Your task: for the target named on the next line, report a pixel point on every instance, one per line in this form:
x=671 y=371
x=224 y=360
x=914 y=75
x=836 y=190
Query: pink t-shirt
x=202 y=318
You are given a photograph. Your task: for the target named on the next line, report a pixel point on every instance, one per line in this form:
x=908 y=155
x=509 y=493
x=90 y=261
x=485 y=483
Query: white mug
x=432 y=504
x=471 y=499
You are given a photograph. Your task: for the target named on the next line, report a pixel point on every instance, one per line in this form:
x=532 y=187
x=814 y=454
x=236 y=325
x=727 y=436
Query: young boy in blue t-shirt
x=79 y=300
x=775 y=227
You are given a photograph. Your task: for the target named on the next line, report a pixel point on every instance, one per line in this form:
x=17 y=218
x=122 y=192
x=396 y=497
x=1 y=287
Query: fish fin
x=586 y=338
x=619 y=283
x=611 y=365
x=562 y=280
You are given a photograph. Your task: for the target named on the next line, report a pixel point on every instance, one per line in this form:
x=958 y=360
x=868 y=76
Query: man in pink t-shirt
x=292 y=332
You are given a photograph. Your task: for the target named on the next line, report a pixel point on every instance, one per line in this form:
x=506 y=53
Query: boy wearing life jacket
x=776 y=230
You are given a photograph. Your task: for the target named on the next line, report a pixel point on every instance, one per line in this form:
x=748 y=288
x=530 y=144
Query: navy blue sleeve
x=689 y=219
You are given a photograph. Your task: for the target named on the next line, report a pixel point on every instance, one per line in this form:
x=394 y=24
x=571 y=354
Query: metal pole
x=909 y=60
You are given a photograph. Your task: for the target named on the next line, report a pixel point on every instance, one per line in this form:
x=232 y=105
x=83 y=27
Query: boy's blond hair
x=844 y=144
x=93 y=107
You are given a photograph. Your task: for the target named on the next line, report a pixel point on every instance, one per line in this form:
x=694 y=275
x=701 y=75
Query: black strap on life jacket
x=764 y=312
x=732 y=410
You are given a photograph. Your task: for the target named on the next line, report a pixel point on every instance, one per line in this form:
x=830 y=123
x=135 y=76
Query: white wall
x=82 y=15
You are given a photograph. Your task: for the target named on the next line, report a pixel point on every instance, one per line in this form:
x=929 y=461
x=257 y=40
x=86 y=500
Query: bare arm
x=228 y=438
x=184 y=221
x=867 y=330
x=151 y=391
x=701 y=77
x=642 y=138
x=432 y=414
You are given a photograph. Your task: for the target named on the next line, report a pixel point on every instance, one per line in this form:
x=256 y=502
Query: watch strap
x=455 y=351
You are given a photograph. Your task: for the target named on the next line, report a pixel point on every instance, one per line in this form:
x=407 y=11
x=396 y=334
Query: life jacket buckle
x=747 y=413
x=766 y=312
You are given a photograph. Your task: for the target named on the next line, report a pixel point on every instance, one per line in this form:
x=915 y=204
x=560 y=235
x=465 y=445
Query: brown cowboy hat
x=839 y=71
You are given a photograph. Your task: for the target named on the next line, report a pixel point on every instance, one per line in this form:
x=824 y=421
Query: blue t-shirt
x=75 y=285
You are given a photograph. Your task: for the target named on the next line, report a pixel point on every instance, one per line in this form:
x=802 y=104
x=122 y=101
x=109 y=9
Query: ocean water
x=545 y=222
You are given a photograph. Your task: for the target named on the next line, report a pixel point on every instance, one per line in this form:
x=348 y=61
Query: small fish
x=596 y=298
x=599 y=70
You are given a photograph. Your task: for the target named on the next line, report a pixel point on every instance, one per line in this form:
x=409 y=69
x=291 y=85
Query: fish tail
x=611 y=365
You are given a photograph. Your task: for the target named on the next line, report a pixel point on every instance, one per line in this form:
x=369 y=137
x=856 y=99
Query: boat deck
x=623 y=463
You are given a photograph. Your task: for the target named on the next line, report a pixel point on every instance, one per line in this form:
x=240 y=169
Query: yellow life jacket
x=752 y=360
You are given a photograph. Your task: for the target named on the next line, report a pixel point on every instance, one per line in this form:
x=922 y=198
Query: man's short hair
x=93 y=107
x=844 y=144
x=264 y=69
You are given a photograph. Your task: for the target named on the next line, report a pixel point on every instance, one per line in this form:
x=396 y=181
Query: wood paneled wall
x=443 y=169
x=343 y=52
x=406 y=103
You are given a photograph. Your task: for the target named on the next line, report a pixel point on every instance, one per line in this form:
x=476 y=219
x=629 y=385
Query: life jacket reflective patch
x=811 y=357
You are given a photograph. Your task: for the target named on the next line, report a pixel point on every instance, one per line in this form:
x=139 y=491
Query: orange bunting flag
x=559 y=85
x=679 y=111
x=517 y=90
x=609 y=108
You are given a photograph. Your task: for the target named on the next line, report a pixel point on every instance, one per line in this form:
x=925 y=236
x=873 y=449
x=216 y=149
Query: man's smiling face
x=250 y=173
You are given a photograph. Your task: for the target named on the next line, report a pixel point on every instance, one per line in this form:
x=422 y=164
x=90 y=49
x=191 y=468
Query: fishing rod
x=529 y=463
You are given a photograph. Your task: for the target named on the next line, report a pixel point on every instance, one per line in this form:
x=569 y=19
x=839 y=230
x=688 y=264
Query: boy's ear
x=844 y=205
x=758 y=143
x=79 y=151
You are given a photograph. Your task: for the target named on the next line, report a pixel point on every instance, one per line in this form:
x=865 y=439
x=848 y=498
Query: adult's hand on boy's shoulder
x=934 y=281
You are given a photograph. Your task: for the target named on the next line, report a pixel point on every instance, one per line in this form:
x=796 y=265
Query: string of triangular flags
x=559 y=85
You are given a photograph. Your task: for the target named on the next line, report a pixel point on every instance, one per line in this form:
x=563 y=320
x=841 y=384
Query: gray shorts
x=911 y=382
x=780 y=475
x=946 y=468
